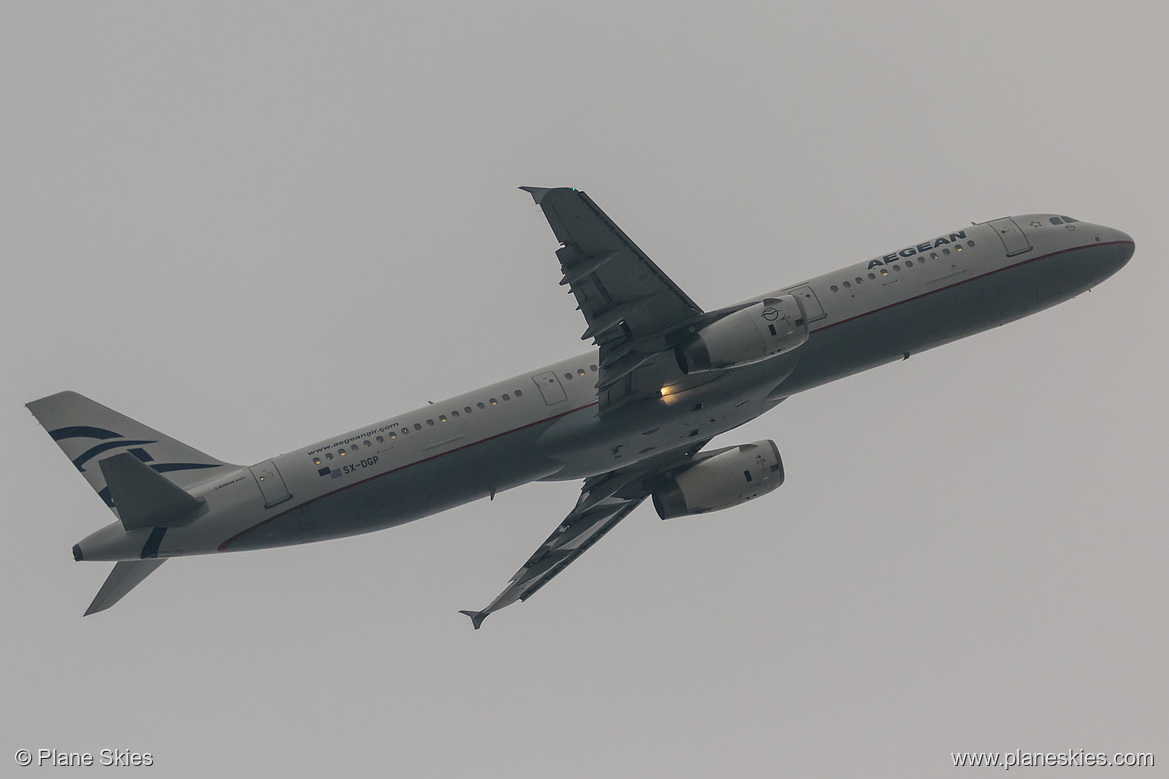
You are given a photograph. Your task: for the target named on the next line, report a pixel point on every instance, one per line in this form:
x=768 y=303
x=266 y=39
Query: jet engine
x=722 y=480
x=749 y=335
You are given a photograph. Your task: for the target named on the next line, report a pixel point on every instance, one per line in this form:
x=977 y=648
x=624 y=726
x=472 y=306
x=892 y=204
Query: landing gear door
x=812 y=308
x=1012 y=237
x=271 y=483
x=550 y=388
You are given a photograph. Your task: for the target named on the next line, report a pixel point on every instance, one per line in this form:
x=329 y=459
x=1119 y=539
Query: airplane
x=631 y=417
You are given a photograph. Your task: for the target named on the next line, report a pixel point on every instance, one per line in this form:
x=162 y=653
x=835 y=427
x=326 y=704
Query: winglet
x=477 y=617
x=537 y=193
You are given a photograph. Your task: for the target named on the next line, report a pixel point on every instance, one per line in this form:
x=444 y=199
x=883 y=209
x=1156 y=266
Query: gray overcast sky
x=252 y=226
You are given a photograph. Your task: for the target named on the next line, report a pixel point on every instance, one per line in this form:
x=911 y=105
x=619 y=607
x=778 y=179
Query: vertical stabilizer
x=88 y=432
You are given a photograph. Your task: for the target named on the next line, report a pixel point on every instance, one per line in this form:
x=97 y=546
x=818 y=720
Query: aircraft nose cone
x=1117 y=250
x=1124 y=248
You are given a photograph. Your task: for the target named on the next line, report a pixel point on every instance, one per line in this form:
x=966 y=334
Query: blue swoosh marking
x=95 y=451
x=82 y=431
x=150 y=548
x=164 y=467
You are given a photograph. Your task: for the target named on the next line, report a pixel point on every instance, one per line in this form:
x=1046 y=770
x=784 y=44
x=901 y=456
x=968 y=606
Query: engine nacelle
x=724 y=479
x=750 y=335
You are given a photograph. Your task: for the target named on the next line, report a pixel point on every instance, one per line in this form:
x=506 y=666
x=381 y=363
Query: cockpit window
x=1069 y=220
x=1055 y=220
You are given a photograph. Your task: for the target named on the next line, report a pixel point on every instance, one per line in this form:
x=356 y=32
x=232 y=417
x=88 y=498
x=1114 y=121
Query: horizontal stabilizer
x=126 y=575
x=143 y=496
x=477 y=617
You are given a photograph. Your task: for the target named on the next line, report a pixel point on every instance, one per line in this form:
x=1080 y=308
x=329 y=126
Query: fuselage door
x=810 y=302
x=1012 y=237
x=271 y=483
x=550 y=387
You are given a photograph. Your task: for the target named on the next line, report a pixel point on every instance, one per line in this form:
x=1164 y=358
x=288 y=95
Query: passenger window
x=896 y=267
x=835 y=288
x=466 y=409
x=859 y=280
x=593 y=368
x=341 y=453
x=367 y=443
x=970 y=243
x=381 y=440
x=872 y=277
x=958 y=248
x=393 y=436
x=417 y=426
x=945 y=251
x=884 y=271
x=568 y=376
x=519 y=394
x=442 y=417
x=494 y=402
x=430 y=423
x=454 y=415
x=933 y=255
x=580 y=371
x=353 y=448
x=847 y=285
x=328 y=455
x=506 y=396
x=480 y=405
x=909 y=263
x=316 y=461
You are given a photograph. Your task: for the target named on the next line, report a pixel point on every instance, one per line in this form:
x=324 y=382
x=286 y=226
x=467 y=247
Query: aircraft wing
x=604 y=501
x=578 y=531
x=631 y=307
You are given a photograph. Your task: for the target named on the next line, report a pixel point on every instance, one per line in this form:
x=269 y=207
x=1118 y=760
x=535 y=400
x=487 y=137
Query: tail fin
x=86 y=431
x=126 y=575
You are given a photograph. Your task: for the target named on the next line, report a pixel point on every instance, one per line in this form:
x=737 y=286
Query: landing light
x=666 y=391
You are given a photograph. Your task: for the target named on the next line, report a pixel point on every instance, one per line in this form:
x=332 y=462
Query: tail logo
x=107 y=438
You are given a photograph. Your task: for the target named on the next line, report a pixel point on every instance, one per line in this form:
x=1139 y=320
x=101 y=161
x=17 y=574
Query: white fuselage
x=544 y=424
